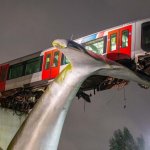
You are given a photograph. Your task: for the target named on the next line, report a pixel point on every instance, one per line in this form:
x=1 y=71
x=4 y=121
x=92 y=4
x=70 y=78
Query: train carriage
x=128 y=44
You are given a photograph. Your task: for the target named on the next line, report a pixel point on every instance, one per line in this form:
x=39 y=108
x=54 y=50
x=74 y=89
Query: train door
x=113 y=42
x=119 y=43
x=125 y=42
x=51 y=64
x=3 y=76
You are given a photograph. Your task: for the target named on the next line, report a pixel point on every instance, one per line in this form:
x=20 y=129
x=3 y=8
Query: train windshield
x=146 y=36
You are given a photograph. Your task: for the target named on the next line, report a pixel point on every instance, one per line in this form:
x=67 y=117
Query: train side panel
x=17 y=82
x=22 y=81
x=138 y=47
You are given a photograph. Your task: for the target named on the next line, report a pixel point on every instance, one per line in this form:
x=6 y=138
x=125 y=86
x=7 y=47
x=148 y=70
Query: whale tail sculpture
x=42 y=128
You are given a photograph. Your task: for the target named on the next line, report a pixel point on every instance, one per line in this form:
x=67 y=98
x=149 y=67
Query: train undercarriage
x=22 y=100
x=143 y=64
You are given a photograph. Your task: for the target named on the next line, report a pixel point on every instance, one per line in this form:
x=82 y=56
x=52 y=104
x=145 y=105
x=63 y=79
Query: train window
x=33 y=65
x=145 y=42
x=97 y=46
x=16 y=71
x=125 y=36
x=113 y=42
x=55 y=61
x=47 y=64
x=64 y=60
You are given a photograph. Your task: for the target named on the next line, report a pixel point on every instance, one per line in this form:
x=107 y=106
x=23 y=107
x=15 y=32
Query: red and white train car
x=32 y=70
x=128 y=44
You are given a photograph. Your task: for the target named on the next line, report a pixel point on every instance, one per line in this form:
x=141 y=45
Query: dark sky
x=30 y=25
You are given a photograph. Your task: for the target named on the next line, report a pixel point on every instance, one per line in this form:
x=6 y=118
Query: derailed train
x=22 y=81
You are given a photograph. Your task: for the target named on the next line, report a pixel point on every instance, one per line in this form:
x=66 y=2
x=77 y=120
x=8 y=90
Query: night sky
x=31 y=25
